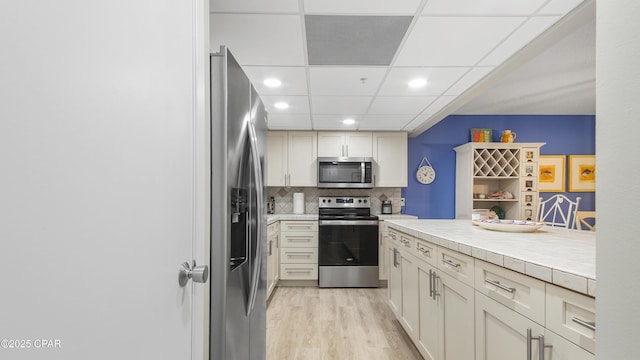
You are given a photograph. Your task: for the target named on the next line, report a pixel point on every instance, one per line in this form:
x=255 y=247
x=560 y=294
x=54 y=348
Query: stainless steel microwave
x=345 y=172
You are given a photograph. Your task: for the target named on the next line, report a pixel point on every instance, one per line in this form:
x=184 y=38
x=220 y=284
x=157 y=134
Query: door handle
x=259 y=187
x=199 y=274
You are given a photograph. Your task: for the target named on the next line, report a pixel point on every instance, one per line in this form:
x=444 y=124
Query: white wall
x=618 y=171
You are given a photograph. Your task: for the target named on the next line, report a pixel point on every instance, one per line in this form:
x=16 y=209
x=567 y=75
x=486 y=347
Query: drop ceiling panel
x=437 y=105
x=469 y=79
x=261 y=40
x=294 y=79
x=454 y=41
x=271 y=6
x=354 y=40
x=340 y=105
x=297 y=104
x=394 y=105
x=333 y=122
x=361 y=6
x=560 y=7
x=345 y=81
x=289 y=122
x=527 y=32
x=439 y=79
x=484 y=7
x=384 y=122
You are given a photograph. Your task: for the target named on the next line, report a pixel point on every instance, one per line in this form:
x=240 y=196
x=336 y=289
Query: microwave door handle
x=257 y=171
x=363 y=173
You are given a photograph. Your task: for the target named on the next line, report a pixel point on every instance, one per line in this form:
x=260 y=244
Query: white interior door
x=100 y=164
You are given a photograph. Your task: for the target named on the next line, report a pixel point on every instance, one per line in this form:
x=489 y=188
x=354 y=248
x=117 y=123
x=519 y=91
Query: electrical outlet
x=401 y=201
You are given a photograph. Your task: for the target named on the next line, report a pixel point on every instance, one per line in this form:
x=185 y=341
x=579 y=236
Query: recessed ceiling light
x=272 y=82
x=348 y=121
x=417 y=83
x=281 y=105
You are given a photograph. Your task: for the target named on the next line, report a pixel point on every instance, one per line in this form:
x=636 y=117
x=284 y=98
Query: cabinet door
x=331 y=144
x=456 y=304
x=562 y=349
x=410 y=306
x=382 y=254
x=394 y=285
x=428 y=332
x=303 y=156
x=277 y=144
x=358 y=144
x=501 y=333
x=390 y=156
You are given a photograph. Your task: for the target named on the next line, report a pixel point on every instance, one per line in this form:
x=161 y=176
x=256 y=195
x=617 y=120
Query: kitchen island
x=464 y=292
x=563 y=257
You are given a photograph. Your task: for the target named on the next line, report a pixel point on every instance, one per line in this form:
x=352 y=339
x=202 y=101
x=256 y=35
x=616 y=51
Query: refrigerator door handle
x=257 y=170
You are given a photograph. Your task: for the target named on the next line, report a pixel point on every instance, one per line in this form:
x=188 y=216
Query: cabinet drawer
x=427 y=252
x=299 y=272
x=518 y=292
x=299 y=226
x=406 y=241
x=572 y=316
x=394 y=237
x=299 y=255
x=529 y=155
x=529 y=169
x=299 y=239
x=529 y=184
x=273 y=229
x=455 y=264
x=528 y=213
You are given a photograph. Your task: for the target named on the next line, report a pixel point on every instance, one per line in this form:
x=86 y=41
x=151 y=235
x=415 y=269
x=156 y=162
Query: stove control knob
x=359 y=200
x=329 y=200
x=324 y=200
x=365 y=201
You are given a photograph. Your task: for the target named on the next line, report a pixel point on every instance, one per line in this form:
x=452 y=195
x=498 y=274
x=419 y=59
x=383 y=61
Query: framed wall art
x=582 y=173
x=551 y=173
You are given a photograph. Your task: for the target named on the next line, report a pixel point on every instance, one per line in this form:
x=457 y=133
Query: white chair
x=581 y=220
x=559 y=211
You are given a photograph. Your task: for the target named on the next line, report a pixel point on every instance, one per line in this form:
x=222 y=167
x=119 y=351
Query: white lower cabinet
x=455 y=307
x=394 y=283
x=447 y=305
x=383 y=256
x=562 y=349
x=501 y=333
x=273 y=257
x=298 y=250
x=410 y=309
x=429 y=333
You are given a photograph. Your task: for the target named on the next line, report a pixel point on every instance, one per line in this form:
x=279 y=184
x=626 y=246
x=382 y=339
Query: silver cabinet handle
x=270 y=242
x=588 y=324
x=425 y=251
x=433 y=291
x=450 y=263
x=199 y=274
x=498 y=285
x=541 y=345
x=395 y=257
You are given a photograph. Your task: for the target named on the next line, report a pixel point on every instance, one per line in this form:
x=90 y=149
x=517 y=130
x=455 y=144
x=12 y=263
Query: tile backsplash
x=284 y=197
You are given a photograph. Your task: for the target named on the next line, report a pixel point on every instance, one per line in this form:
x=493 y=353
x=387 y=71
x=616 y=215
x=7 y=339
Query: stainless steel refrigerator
x=238 y=214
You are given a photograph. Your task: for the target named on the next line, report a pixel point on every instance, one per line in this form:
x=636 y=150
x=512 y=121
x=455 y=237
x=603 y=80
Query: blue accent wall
x=563 y=135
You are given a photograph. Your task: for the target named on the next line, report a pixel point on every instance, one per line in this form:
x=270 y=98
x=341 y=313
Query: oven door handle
x=347 y=222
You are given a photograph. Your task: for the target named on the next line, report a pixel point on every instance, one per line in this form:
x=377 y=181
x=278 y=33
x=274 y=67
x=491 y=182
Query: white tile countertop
x=563 y=257
x=271 y=218
x=386 y=217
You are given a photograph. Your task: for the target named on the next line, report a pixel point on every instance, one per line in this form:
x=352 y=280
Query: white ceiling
x=458 y=46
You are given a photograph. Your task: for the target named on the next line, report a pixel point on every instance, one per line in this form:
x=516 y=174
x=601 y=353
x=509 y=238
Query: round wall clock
x=425 y=174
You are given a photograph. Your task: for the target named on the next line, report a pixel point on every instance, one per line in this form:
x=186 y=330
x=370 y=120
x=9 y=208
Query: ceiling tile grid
x=338 y=59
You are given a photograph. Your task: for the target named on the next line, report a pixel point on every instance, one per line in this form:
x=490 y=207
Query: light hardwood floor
x=310 y=323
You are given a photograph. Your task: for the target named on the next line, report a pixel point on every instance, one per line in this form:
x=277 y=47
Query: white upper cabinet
x=292 y=158
x=390 y=157
x=343 y=144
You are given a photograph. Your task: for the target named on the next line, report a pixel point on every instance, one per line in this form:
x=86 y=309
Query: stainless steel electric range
x=347 y=243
